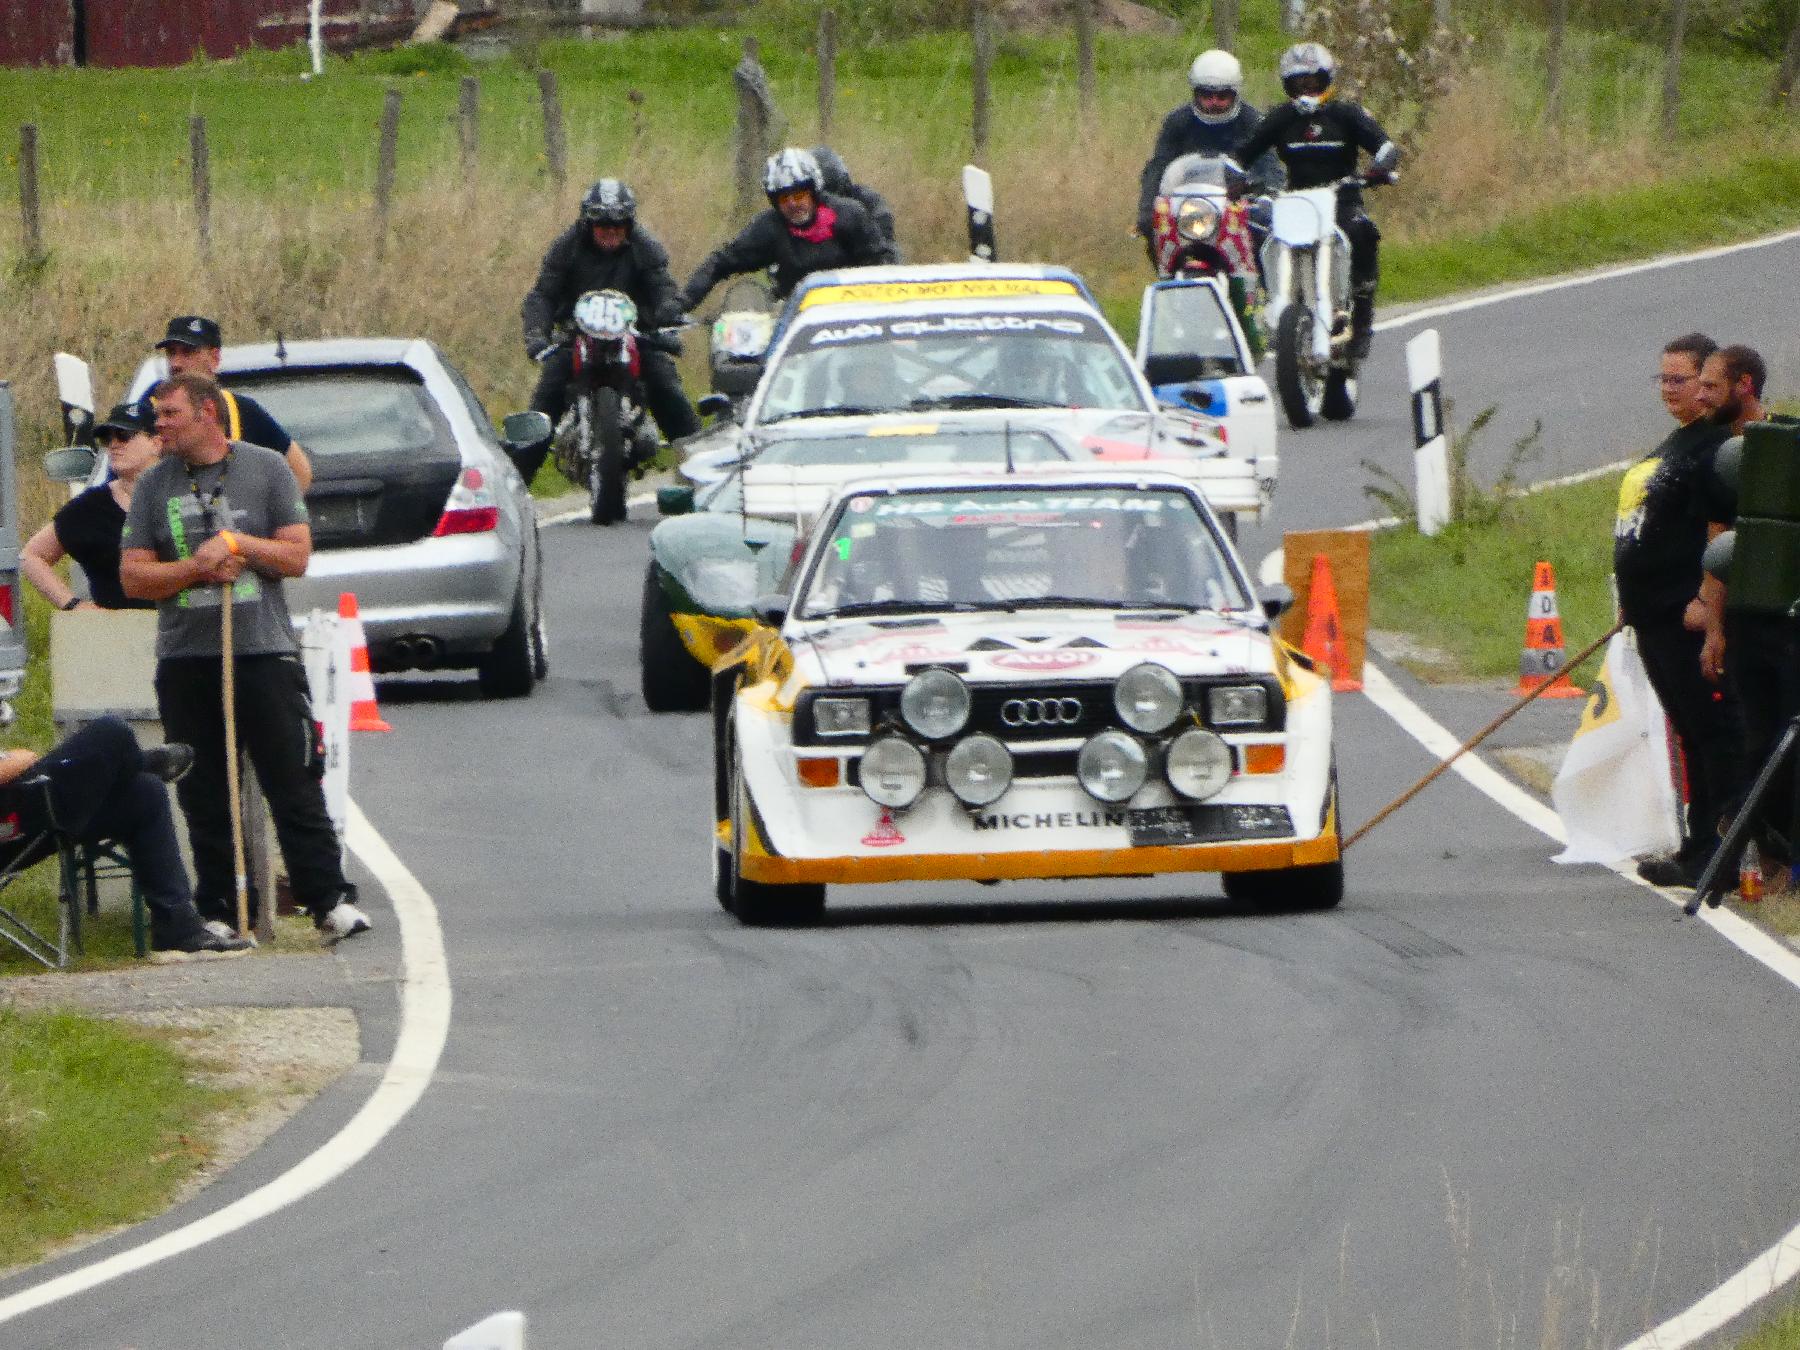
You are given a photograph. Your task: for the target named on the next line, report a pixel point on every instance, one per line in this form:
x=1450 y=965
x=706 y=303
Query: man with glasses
x=1670 y=503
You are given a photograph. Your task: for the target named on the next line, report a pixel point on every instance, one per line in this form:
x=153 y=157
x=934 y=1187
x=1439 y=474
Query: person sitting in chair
x=97 y=786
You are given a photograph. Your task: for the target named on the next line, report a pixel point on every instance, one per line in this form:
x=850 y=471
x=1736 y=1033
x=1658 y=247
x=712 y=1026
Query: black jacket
x=881 y=216
x=1183 y=133
x=768 y=242
x=1319 y=147
x=573 y=266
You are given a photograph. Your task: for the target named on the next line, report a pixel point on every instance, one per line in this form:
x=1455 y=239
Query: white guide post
x=1431 y=461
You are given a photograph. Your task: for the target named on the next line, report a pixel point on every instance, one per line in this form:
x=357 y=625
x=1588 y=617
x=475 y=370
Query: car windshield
x=1061 y=359
x=894 y=446
x=379 y=412
x=1013 y=547
x=1190 y=336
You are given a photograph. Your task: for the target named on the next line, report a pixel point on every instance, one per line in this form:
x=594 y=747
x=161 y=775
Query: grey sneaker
x=341 y=921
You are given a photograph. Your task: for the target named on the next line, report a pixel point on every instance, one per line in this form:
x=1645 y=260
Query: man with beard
x=1669 y=505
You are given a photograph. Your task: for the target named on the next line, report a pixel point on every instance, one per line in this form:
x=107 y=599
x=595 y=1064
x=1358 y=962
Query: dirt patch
x=1429 y=663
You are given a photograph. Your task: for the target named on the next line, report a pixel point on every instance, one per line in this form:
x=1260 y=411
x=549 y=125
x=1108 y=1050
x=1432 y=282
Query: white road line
x=424 y=1027
x=1587 y=279
x=1763 y=1274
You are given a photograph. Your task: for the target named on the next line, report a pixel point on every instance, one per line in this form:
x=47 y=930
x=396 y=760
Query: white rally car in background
x=1059 y=672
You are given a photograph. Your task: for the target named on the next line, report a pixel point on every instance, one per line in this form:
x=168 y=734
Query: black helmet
x=609 y=202
x=832 y=169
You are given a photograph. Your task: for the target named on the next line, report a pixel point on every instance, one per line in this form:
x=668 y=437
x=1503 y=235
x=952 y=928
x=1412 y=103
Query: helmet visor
x=1311 y=83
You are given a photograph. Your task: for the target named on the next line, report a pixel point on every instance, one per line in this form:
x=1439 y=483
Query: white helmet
x=1300 y=66
x=789 y=169
x=1217 y=70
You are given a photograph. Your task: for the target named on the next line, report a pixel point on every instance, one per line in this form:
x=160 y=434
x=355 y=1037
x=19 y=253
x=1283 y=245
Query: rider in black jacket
x=1215 y=122
x=805 y=230
x=838 y=182
x=1319 y=141
x=605 y=250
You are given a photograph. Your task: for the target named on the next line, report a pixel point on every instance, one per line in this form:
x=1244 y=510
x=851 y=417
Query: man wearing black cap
x=192 y=344
x=87 y=527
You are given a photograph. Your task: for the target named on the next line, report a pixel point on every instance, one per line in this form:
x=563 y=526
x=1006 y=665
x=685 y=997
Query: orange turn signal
x=818 y=773
x=1264 y=758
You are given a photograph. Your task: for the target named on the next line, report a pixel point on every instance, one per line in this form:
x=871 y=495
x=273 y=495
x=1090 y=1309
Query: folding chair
x=80 y=866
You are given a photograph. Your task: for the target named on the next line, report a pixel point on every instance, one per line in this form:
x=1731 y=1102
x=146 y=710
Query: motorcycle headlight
x=841 y=716
x=1196 y=219
x=720 y=585
x=935 y=703
x=1237 y=705
x=1197 y=764
x=893 y=772
x=1148 y=698
x=978 y=770
x=1112 y=767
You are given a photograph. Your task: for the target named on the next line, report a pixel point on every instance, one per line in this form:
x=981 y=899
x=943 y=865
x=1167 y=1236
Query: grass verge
x=100 y=1124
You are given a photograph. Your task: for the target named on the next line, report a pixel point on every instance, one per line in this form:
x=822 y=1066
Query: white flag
x=1614 y=791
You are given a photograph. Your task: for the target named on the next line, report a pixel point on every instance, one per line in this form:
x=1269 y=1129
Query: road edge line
x=1777 y=1264
x=424 y=1031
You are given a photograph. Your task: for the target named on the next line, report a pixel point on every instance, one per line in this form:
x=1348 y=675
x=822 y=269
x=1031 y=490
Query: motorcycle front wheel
x=604 y=454
x=1296 y=379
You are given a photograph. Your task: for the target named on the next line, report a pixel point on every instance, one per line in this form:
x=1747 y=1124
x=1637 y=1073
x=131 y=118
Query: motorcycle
x=1306 y=267
x=1201 y=229
x=607 y=434
x=739 y=341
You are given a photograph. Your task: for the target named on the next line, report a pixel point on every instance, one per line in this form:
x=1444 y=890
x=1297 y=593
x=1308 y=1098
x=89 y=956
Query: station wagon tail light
x=6 y=603
x=471 y=509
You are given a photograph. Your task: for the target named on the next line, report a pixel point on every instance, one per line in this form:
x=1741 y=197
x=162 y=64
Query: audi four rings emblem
x=1040 y=712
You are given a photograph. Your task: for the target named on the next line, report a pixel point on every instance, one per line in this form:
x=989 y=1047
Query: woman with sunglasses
x=87 y=527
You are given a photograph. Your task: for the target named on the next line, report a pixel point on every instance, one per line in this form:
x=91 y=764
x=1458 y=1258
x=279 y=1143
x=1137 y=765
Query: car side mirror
x=1276 y=600
x=770 y=610
x=71 y=465
x=674 y=499
x=522 y=429
x=715 y=405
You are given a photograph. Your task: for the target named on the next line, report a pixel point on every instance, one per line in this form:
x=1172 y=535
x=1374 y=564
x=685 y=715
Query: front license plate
x=1207 y=824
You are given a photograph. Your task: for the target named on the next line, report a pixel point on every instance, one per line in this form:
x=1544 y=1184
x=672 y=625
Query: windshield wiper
x=981 y=400
x=834 y=410
x=866 y=607
x=1086 y=602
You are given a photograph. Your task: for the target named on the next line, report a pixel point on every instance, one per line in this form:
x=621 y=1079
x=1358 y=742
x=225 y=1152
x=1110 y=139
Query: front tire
x=604 y=452
x=1314 y=886
x=1302 y=391
x=755 y=903
x=673 y=681
x=506 y=671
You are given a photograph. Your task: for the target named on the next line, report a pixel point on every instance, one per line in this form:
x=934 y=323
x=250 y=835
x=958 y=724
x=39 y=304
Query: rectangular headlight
x=1237 y=705
x=841 y=716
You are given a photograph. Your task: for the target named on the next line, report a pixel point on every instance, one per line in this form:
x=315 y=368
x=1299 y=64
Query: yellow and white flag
x=1614 y=790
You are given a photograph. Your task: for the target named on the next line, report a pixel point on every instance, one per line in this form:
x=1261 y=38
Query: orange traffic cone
x=1324 y=638
x=364 y=715
x=1541 y=661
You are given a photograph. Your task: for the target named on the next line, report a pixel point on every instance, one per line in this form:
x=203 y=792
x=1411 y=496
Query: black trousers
x=275 y=728
x=1365 y=246
x=99 y=793
x=668 y=402
x=1707 y=722
x=1762 y=661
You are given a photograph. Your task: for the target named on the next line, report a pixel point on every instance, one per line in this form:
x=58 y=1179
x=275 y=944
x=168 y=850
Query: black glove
x=537 y=348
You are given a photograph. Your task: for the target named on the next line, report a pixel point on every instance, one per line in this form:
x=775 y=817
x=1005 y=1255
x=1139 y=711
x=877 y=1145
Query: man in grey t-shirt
x=217 y=516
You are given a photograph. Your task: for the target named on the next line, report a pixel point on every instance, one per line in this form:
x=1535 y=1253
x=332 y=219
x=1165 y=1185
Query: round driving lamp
x=978 y=770
x=1112 y=767
x=1196 y=219
x=935 y=703
x=1148 y=698
x=893 y=772
x=1197 y=764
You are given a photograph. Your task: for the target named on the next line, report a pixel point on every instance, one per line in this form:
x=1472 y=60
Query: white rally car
x=1059 y=672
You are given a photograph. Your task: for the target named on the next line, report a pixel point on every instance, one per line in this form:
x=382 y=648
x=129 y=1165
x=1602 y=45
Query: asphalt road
x=1488 y=1102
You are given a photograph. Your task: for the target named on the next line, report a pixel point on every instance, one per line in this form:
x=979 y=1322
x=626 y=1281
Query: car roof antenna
x=1006 y=440
x=280 y=347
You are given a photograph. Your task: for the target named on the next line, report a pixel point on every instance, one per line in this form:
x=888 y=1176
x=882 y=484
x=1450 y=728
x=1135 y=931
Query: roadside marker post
x=502 y=1331
x=1431 y=459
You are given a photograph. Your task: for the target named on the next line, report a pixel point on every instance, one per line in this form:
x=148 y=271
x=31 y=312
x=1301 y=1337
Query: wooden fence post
x=827 y=71
x=556 y=145
x=468 y=130
x=1671 y=90
x=31 y=223
x=756 y=114
x=385 y=162
x=981 y=37
x=1553 y=61
x=200 y=168
x=1085 y=81
x=1225 y=23
x=1783 y=88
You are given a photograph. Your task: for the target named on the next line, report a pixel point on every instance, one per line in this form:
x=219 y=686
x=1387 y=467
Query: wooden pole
x=981 y=35
x=468 y=127
x=31 y=222
x=556 y=145
x=200 y=167
x=385 y=165
x=1085 y=80
x=1225 y=23
x=753 y=118
x=1477 y=739
x=827 y=71
x=240 y=877
x=1783 y=88
x=1671 y=90
x=1553 y=60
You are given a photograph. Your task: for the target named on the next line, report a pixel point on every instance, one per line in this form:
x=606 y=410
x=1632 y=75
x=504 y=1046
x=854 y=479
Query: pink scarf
x=820 y=229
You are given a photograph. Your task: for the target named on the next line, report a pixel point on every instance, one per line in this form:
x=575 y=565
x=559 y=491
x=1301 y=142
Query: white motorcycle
x=1306 y=268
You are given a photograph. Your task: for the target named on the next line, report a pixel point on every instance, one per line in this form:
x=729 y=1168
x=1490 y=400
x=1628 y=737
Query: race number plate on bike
x=605 y=314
